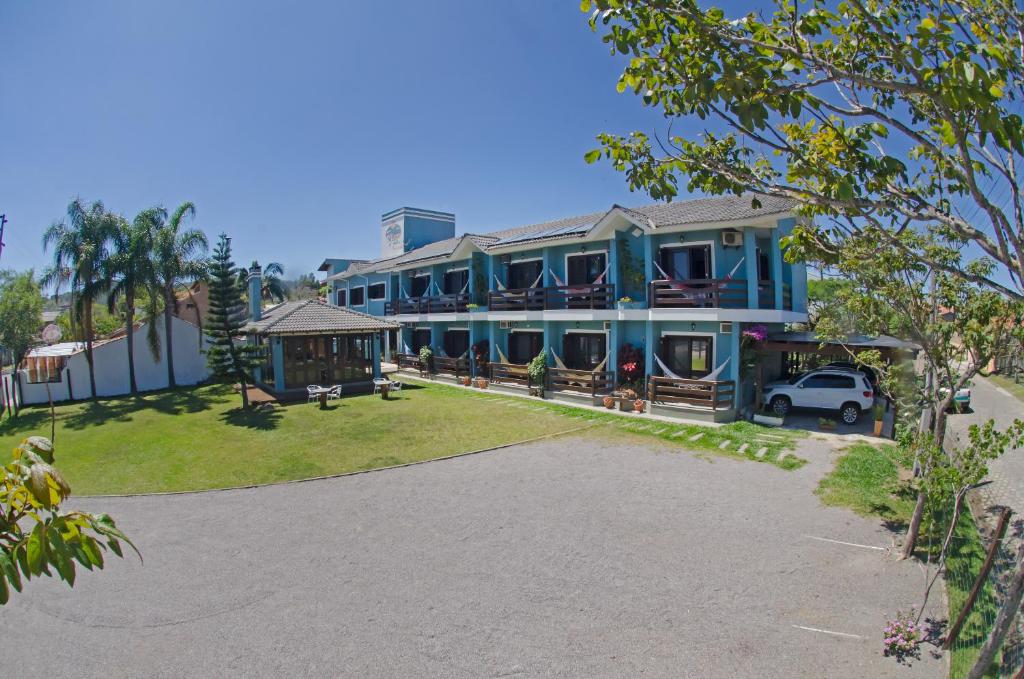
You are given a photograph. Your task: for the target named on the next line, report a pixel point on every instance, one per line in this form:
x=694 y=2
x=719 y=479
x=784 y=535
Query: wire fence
x=967 y=555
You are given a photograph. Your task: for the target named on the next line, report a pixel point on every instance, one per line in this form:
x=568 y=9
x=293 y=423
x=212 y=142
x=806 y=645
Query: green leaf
x=585 y=6
x=592 y=155
x=969 y=72
x=996 y=91
x=928 y=24
x=8 y=568
x=36 y=550
x=5 y=593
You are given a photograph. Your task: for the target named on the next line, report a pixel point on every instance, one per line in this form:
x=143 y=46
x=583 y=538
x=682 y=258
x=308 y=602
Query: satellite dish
x=51 y=333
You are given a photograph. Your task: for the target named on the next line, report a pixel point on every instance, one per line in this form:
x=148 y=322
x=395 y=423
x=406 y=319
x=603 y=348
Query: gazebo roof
x=313 y=317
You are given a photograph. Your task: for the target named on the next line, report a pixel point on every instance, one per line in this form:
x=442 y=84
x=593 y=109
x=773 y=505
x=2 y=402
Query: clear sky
x=294 y=126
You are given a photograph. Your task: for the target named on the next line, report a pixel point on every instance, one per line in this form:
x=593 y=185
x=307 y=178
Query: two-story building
x=655 y=297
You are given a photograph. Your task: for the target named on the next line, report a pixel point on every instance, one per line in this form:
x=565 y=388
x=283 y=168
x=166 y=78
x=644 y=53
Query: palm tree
x=131 y=271
x=272 y=287
x=80 y=250
x=178 y=257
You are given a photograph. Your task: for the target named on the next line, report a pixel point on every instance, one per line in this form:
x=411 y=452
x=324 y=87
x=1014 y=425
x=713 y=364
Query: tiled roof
x=693 y=211
x=313 y=317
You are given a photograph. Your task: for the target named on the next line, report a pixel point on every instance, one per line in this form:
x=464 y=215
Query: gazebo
x=311 y=342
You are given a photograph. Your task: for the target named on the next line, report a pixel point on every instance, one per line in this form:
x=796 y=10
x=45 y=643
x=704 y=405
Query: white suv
x=844 y=390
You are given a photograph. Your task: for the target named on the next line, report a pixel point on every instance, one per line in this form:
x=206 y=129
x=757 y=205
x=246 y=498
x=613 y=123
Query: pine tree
x=227 y=360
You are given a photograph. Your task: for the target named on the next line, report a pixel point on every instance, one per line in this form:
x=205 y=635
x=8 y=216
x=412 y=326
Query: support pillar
x=777 y=282
x=750 y=266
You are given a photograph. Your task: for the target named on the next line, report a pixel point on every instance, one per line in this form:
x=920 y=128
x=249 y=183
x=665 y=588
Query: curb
x=342 y=474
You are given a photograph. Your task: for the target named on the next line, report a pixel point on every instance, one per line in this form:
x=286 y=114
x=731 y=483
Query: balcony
x=711 y=395
x=589 y=296
x=592 y=382
x=439 y=365
x=714 y=293
x=438 y=304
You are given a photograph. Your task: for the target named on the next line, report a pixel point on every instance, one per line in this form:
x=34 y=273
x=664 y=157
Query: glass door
x=584 y=351
x=419 y=285
x=523 y=347
x=456 y=343
x=420 y=338
x=455 y=281
x=523 y=274
x=688 y=357
x=686 y=262
x=584 y=269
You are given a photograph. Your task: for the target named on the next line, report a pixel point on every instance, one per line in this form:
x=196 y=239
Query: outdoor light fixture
x=682 y=237
x=577 y=325
x=637 y=231
x=693 y=326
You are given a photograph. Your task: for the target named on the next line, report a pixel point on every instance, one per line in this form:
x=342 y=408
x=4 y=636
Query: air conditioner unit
x=607 y=325
x=725 y=327
x=732 y=238
x=504 y=325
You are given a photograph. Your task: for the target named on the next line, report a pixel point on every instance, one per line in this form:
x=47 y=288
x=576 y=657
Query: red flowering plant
x=750 y=356
x=482 y=355
x=631 y=366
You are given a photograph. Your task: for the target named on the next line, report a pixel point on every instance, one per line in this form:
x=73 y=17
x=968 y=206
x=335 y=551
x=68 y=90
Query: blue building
x=655 y=298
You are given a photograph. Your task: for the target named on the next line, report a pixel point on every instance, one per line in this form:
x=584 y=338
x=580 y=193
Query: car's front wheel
x=780 y=405
x=850 y=413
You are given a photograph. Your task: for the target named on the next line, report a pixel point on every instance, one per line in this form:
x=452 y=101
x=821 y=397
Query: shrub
x=902 y=636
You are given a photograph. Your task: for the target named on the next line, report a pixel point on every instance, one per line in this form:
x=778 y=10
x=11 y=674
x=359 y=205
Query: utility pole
x=3 y=220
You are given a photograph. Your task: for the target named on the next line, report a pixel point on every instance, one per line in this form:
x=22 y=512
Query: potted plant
x=826 y=424
x=472 y=307
x=426 y=359
x=625 y=303
x=879 y=412
x=638 y=405
x=609 y=402
x=536 y=369
x=467 y=380
x=481 y=383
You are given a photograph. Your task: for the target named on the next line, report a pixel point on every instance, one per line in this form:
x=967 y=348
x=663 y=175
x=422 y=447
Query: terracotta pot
x=466 y=381
x=638 y=405
x=609 y=402
x=481 y=383
x=878 y=427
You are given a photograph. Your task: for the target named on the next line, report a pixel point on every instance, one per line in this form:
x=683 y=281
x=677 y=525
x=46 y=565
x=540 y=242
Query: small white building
x=65 y=369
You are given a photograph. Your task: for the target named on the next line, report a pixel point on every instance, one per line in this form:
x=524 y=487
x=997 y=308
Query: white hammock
x=501 y=356
x=710 y=377
x=597 y=281
x=558 y=361
x=502 y=288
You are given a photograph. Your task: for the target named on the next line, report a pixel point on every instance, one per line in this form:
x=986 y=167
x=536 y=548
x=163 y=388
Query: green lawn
x=193 y=439
x=866 y=479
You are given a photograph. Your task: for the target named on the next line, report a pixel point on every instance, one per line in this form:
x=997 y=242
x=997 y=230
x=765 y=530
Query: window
x=377 y=291
x=524 y=274
x=420 y=285
x=829 y=382
x=688 y=357
x=584 y=351
x=342 y=297
x=456 y=343
x=420 y=338
x=764 y=267
x=585 y=269
x=356 y=296
x=455 y=281
x=327 y=360
x=690 y=262
x=523 y=347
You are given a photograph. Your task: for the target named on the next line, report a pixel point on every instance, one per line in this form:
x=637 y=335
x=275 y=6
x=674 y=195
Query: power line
x=3 y=221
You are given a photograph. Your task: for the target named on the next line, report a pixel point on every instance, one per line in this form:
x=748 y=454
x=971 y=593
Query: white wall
x=111 y=366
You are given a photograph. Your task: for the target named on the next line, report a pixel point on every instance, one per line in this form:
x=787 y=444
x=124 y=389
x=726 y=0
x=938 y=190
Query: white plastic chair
x=396 y=386
x=335 y=392
x=311 y=392
x=377 y=383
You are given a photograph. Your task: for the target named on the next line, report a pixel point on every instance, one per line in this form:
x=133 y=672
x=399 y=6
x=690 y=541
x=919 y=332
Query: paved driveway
x=595 y=556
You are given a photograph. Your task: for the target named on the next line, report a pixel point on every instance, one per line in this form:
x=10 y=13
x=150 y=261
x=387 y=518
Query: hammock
x=464 y=287
x=558 y=361
x=501 y=356
x=710 y=377
x=597 y=281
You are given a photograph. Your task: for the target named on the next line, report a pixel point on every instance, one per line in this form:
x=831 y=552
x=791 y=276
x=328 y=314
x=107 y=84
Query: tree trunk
x=168 y=307
x=1002 y=624
x=915 y=527
x=129 y=329
x=88 y=349
x=245 y=393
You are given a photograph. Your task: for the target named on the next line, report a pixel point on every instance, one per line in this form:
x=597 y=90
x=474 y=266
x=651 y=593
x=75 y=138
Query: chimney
x=255 y=292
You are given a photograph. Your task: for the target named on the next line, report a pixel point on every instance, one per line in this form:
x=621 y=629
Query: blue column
x=375 y=349
x=277 y=350
x=648 y=264
x=549 y=341
x=777 y=267
x=734 y=363
x=750 y=266
x=546 y=281
x=613 y=269
x=650 y=346
x=613 y=349
x=473 y=339
x=490 y=272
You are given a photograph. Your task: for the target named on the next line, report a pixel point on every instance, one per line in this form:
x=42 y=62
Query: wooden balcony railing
x=591 y=382
x=438 y=304
x=713 y=293
x=716 y=395
x=588 y=296
x=451 y=366
x=411 y=361
x=509 y=373
x=766 y=294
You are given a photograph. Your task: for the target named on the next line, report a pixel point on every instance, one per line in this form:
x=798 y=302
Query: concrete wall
x=111 y=367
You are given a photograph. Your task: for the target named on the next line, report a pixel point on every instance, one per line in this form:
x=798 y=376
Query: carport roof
x=854 y=340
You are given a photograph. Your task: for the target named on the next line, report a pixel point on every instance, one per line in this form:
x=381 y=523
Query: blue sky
x=294 y=126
